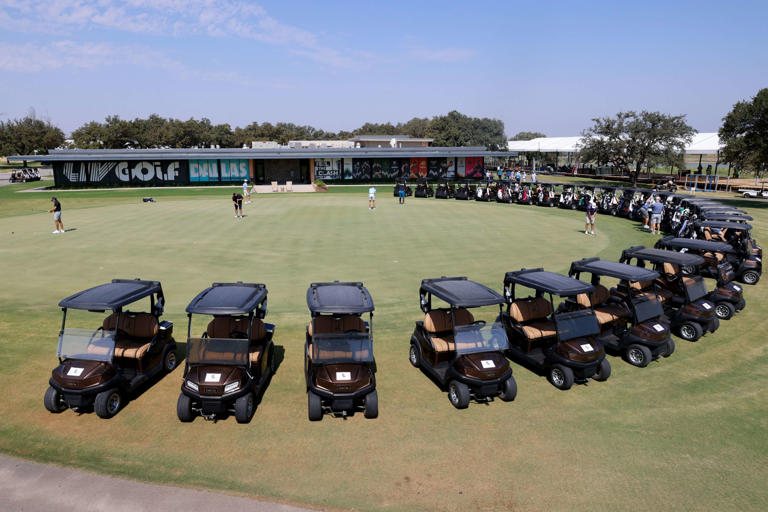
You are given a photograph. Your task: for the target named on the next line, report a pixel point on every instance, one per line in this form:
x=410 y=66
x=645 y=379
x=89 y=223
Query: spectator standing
x=56 y=209
x=246 y=192
x=517 y=176
x=237 y=201
x=589 y=227
x=644 y=213
x=523 y=178
x=657 y=209
x=533 y=177
x=372 y=198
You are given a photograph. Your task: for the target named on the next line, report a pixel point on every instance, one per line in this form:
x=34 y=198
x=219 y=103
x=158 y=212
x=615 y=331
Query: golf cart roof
x=722 y=208
x=336 y=297
x=113 y=295
x=721 y=224
x=461 y=292
x=670 y=242
x=661 y=256
x=228 y=299
x=728 y=217
x=545 y=281
x=599 y=267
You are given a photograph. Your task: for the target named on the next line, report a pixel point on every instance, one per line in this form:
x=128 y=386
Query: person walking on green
x=56 y=209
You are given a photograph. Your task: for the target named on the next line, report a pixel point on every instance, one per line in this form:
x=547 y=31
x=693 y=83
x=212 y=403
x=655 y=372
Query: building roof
x=387 y=138
x=702 y=144
x=74 y=155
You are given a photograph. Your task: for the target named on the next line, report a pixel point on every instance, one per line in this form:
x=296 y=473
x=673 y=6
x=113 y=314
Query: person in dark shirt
x=591 y=212
x=56 y=209
x=237 y=200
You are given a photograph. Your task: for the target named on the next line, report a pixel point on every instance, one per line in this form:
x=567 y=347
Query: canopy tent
x=702 y=144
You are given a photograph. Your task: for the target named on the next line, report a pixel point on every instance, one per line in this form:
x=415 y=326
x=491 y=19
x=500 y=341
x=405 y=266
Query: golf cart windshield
x=473 y=338
x=98 y=345
x=576 y=324
x=342 y=348
x=225 y=351
x=647 y=307
x=695 y=288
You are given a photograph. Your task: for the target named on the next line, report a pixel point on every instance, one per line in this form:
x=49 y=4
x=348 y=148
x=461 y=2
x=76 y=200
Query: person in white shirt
x=246 y=192
x=533 y=177
x=372 y=198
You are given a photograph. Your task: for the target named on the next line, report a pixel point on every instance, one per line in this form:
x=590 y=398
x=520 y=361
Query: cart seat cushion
x=598 y=296
x=670 y=269
x=688 y=281
x=336 y=325
x=133 y=325
x=437 y=320
x=527 y=310
x=463 y=316
x=232 y=326
x=717 y=256
x=131 y=349
x=538 y=330
x=443 y=343
x=254 y=353
x=640 y=285
x=610 y=313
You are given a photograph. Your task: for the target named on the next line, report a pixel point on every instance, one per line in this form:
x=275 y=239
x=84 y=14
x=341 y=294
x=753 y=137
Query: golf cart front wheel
x=561 y=377
x=509 y=389
x=458 y=394
x=715 y=325
x=184 y=409
x=670 y=348
x=690 y=331
x=107 y=403
x=603 y=371
x=169 y=360
x=724 y=310
x=638 y=355
x=54 y=401
x=244 y=407
x=314 y=407
x=741 y=304
x=372 y=405
x=750 y=277
x=414 y=356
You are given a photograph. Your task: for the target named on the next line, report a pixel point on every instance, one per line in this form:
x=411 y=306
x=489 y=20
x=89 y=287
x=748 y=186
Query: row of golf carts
x=555 y=325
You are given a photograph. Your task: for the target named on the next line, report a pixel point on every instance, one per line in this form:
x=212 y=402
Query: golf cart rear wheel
x=372 y=405
x=414 y=356
x=53 y=401
x=561 y=377
x=107 y=403
x=638 y=355
x=670 y=348
x=741 y=304
x=750 y=277
x=603 y=371
x=169 y=360
x=184 y=409
x=458 y=394
x=690 y=331
x=724 y=310
x=509 y=389
x=314 y=407
x=244 y=407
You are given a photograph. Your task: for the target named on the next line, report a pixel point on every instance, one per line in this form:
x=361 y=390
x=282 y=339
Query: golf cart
x=459 y=353
x=338 y=353
x=402 y=185
x=504 y=192
x=524 y=194
x=630 y=321
x=444 y=190
x=684 y=298
x=465 y=191
x=485 y=192
x=725 y=216
x=233 y=359
x=424 y=189
x=102 y=367
x=609 y=202
x=567 y=198
x=545 y=195
x=557 y=342
x=728 y=296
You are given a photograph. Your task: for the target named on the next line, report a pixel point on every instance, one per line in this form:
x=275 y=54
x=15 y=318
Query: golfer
x=237 y=201
x=246 y=193
x=589 y=227
x=372 y=198
x=56 y=209
x=401 y=194
x=657 y=210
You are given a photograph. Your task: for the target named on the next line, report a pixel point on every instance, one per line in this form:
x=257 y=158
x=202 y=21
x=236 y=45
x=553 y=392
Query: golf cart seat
x=325 y=353
x=336 y=325
x=714 y=256
x=605 y=312
x=134 y=335
x=231 y=326
x=438 y=324
x=647 y=286
x=533 y=315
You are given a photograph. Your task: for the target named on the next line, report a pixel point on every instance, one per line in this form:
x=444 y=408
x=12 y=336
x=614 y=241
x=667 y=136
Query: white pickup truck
x=748 y=192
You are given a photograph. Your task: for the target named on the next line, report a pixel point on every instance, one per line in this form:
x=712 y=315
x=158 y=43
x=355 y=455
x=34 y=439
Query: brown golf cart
x=102 y=367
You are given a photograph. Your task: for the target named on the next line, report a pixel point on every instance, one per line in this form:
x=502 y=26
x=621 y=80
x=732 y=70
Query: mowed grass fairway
x=686 y=433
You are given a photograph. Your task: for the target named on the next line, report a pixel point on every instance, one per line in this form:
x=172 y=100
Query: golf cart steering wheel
x=481 y=323
x=238 y=335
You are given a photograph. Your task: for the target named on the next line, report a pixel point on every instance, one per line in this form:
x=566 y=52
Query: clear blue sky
x=540 y=65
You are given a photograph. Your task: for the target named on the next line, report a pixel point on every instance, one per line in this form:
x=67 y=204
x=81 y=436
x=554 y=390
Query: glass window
x=341 y=348
x=476 y=338
x=223 y=351
x=98 y=345
x=576 y=324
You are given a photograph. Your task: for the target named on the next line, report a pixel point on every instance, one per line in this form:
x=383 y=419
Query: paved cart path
x=32 y=487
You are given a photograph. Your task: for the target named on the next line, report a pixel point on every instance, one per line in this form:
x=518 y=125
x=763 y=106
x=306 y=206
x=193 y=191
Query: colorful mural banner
x=461 y=167
x=418 y=167
x=433 y=168
x=152 y=173
x=474 y=166
x=203 y=170
x=347 y=168
x=380 y=168
x=361 y=169
x=233 y=170
x=450 y=168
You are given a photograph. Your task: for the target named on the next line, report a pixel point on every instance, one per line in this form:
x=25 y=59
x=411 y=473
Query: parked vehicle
x=465 y=191
x=632 y=323
x=229 y=366
x=750 y=192
x=559 y=342
x=339 y=366
x=567 y=200
x=545 y=195
x=748 y=256
x=424 y=189
x=462 y=354
x=444 y=190
x=102 y=368
x=402 y=185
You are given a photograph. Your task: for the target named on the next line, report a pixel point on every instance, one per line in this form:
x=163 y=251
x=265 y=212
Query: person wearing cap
x=589 y=227
x=246 y=192
x=657 y=209
x=237 y=200
x=56 y=209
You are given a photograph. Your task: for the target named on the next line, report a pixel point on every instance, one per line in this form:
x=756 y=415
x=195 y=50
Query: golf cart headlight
x=231 y=387
x=191 y=385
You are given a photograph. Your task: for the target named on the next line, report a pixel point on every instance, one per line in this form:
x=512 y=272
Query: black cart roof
x=228 y=299
x=671 y=242
x=336 y=297
x=461 y=292
x=721 y=224
x=613 y=269
x=661 y=256
x=725 y=216
x=113 y=295
x=723 y=209
x=545 y=281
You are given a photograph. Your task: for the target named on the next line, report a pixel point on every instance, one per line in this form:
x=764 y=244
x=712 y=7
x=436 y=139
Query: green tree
x=528 y=136
x=28 y=136
x=633 y=138
x=745 y=134
x=457 y=129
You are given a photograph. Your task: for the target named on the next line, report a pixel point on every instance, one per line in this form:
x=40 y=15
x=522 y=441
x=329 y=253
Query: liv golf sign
x=173 y=172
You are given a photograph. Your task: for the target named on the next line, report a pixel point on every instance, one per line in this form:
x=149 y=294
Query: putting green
x=687 y=432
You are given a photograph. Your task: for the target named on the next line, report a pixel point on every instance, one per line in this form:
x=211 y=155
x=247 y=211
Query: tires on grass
x=603 y=371
x=458 y=394
x=725 y=310
x=741 y=304
x=54 y=401
x=509 y=389
x=372 y=405
x=184 y=409
x=244 y=407
x=107 y=403
x=169 y=360
x=314 y=407
x=690 y=331
x=670 y=348
x=750 y=277
x=414 y=356
x=560 y=376
x=638 y=355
